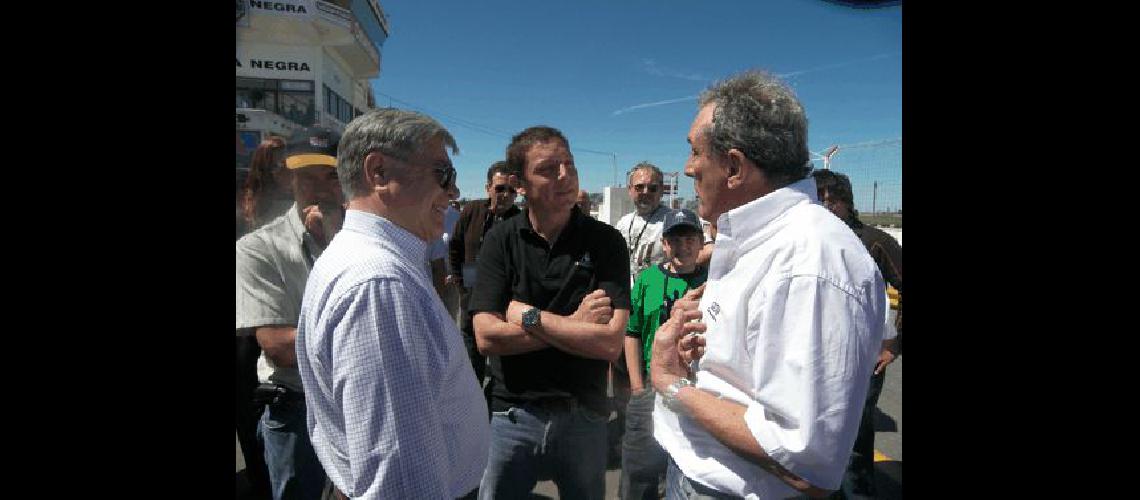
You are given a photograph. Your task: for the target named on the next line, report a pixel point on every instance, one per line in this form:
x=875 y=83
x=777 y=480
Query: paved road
x=888 y=442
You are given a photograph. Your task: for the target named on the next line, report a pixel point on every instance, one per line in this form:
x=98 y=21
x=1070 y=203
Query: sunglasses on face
x=447 y=176
x=652 y=188
x=503 y=188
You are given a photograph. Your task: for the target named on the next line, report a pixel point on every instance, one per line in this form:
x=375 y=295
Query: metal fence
x=875 y=169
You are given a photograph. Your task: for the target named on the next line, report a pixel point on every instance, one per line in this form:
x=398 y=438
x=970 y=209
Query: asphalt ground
x=888 y=447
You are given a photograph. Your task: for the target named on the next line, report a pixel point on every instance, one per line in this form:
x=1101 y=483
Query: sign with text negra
x=291 y=8
x=276 y=61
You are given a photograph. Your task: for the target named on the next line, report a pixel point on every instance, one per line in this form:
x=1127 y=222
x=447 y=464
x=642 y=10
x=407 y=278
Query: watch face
x=530 y=317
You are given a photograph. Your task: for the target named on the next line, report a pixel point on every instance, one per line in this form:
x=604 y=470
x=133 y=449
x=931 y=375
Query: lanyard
x=630 y=231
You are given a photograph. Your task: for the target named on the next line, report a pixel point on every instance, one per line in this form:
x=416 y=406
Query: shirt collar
x=571 y=224
x=376 y=227
x=751 y=217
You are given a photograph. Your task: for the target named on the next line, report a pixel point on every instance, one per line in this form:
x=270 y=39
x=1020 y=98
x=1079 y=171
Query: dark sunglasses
x=652 y=188
x=448 y=176
x=503 y=188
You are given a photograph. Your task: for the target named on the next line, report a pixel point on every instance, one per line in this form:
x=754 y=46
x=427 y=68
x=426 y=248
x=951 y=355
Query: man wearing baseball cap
x=273 y=264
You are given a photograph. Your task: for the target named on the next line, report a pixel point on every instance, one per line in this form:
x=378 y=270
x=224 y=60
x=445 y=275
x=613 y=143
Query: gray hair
x=759 y=115
x=647 y=166
x=394 y=132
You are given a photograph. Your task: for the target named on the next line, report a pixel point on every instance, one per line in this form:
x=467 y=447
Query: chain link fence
x=875 y=169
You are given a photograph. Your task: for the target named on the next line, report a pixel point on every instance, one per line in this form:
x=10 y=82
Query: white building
x=303 y=63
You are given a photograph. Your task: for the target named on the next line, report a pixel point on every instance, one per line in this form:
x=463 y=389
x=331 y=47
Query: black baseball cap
x=312 y=146
x=679 y=218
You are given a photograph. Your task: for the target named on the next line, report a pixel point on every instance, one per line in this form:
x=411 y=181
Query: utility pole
x=614 y=155
x=874 y=197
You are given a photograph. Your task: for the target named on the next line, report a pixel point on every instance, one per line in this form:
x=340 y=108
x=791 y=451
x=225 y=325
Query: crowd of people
x=394 y=345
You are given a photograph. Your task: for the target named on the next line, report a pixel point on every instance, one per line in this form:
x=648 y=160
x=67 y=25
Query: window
x=292 y=99
x=339 y=107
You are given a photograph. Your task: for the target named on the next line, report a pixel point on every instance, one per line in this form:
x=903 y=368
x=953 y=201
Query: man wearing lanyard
x=641 y=229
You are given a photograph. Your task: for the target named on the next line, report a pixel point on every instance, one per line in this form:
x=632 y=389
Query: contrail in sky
x=781 y=75
x=654 y=104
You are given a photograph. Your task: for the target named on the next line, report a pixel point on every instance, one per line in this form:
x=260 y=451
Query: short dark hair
x=653 y=170
x=499 y=167
x=835 y=184
x=521 y=143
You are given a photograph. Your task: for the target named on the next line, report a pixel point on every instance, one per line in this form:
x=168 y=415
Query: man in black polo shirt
x=550 y=309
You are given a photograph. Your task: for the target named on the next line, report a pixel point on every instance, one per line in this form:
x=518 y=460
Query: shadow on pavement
x=888 y=480
x=883 y=422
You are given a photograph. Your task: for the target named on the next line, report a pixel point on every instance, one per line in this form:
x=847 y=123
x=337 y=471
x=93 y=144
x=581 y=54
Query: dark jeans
x=294 y=470
x=643 y=461
x=248 y=414
x=859 y=479
x=566 y=444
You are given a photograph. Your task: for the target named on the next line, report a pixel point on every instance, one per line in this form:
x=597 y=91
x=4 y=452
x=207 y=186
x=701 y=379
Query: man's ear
x=374 y=170
x=741 y=170
x=514 y=181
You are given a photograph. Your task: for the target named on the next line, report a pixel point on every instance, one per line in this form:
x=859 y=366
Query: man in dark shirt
x=475 y=220
x=550 y=308
x=835 y=193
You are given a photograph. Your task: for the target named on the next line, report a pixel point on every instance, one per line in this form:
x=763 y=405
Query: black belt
x=270 y=393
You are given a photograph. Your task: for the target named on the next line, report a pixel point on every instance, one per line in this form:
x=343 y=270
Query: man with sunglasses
x=393 y=407
x=641 y=228
x=475 y=220
x=642 y=232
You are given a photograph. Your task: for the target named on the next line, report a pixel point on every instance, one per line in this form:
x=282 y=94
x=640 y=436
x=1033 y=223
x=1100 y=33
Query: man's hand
x=886 y=357
x=595 y=308
x=691 y=347
x=453 y=279
x=322 y=223
x=666 y=364
x=515 y=311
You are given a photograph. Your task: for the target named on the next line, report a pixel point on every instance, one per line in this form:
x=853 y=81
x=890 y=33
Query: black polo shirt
x=516 y=263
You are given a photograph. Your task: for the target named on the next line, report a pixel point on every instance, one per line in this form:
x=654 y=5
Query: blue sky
x=620 y=76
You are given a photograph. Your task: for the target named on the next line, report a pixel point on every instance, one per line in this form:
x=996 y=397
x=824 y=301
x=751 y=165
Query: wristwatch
x=669 y=397
x=532 y=318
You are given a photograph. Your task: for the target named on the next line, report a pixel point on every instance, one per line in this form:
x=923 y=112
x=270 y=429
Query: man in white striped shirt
x=394 y=410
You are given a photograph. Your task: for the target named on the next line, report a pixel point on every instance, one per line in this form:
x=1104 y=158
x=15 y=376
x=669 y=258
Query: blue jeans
x=527 y=442
x=295 y=473
x=643 y=460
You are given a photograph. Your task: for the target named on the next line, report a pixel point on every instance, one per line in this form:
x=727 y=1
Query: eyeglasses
x=448 y=176
x=447 y=172
x=652 y=188
x=503 y=188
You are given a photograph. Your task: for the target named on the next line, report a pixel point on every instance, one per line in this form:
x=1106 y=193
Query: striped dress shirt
x=394 y=410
